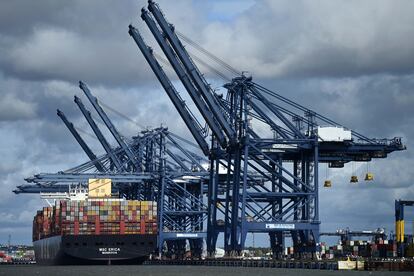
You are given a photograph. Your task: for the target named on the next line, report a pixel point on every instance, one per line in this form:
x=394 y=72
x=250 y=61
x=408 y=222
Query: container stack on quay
x=21 y=254
x=366 y=249
x=96 y=216
x=409 y=251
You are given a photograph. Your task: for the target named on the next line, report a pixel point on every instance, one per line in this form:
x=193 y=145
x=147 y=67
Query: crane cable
x=141 y=126
x=121 y=114
x=209 y=68
x=197 y=46
x=85 y=132
x=231 y=69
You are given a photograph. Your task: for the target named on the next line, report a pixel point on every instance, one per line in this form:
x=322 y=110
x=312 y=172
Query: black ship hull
x=94 y=249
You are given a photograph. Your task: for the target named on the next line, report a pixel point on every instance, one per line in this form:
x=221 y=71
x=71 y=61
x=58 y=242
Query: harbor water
x=152 y=270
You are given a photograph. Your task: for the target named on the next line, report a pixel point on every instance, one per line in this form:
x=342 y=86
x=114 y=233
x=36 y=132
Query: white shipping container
x=333 y=134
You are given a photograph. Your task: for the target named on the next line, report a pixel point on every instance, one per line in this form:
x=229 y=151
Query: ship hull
x=94 y=249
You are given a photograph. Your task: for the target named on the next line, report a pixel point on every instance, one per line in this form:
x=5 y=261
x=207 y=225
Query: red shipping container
x=97 y=226
x=76 y=227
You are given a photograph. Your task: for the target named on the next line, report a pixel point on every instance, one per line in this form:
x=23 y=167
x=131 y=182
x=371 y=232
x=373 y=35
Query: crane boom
x=98 y=133
x=81 y=142
x=185 y=79
x=189 y=119
x=94 y=101
x=192 y=69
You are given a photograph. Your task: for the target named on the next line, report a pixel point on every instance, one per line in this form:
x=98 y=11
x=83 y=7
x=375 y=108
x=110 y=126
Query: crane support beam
x=37 y=189
x=81 y=177
x=279 y=114
x=94 y=101
x=177 y=159
x=193 y=71
x=195 y=94
x=266 y=118
x=190 y=121
x=186 y=153
x=81 y=142
x=98 y=133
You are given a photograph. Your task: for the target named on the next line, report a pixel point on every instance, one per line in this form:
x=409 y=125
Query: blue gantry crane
x=154 y=165
x=265 y=182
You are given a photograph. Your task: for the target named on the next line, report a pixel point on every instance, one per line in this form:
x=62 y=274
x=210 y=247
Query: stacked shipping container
x=95 y=217
x=43 y=223
x=379 y=249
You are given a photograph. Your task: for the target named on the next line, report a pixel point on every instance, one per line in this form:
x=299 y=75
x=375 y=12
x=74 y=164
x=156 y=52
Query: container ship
x=95 y=229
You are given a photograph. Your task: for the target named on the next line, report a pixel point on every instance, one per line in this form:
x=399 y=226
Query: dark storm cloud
x=12 y=108
x=18 y=17
x=318 y=38
x=77 y=38
x=300 y=39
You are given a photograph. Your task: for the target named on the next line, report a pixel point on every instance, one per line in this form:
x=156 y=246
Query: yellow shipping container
x=100 y=188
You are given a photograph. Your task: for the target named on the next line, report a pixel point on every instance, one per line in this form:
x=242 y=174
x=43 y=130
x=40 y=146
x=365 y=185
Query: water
x=11 y=270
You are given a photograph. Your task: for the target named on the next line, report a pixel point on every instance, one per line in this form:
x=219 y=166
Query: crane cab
x=354 y=179
x=327 y=184
x=369 y=177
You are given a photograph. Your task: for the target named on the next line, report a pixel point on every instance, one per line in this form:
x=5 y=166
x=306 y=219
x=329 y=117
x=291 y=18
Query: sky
x=352 y=61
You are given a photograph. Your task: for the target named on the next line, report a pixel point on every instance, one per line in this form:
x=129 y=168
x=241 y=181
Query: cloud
x=19 y=17
x=317 y=39
x=59 y=54
x=87 y=40
x=301 y=39
x=12 y=108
